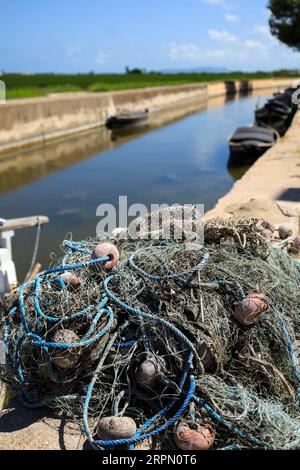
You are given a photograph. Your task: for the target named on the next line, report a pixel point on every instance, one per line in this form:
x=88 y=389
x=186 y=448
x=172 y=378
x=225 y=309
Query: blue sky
x=106 y=35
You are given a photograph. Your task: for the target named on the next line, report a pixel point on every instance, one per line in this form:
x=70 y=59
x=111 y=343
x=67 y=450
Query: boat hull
x=127 y=121
x=249 y=143
x=242 y=155
x=277 y=113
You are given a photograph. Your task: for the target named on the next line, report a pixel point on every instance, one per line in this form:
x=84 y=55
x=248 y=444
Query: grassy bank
x=26 y=86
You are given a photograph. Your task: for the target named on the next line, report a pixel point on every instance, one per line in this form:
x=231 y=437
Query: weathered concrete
x=34 y=121
x=27 y=121
x=271 y=187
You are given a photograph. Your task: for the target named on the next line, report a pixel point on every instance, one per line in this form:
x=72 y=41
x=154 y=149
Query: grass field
x=25 y=86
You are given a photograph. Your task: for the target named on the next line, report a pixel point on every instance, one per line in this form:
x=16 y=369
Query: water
x=182 y=162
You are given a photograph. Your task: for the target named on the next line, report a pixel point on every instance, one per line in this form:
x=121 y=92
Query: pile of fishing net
x=166 y=346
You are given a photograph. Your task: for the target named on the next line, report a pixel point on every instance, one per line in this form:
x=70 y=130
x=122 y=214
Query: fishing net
x=164 y=339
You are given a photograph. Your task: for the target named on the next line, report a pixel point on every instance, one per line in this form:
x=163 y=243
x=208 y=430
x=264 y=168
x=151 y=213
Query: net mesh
x=79 y=349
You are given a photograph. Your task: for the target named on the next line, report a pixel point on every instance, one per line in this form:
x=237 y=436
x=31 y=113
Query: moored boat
x=128 y=120
x=247 y=144
x=278 y=112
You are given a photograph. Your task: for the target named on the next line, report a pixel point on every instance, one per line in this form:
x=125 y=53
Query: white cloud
x=231 y=18
x=264 y=32
x=72 y=50
x=193 y=52
x=261 y=29
x=100 y=59
x=251 y=44
x=224 y=3
x=214 y=2
x=233 y=53
x=258 y=50
x=184 y=51
x=222 y=36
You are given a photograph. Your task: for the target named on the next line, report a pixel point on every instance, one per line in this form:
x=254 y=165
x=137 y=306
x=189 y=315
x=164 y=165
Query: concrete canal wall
x=33 y=121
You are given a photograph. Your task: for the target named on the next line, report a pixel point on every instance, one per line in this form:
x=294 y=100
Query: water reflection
x=25 y=167
x=237 y=172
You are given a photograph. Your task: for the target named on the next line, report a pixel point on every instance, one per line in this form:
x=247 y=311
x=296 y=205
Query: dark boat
x=280 y=122
x=278 y=112
x=275 y=117
x=128 y=120
x=249 y=143
x=129 y=132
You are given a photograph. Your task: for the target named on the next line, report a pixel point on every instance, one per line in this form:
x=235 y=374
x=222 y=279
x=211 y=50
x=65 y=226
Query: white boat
x=8 y=276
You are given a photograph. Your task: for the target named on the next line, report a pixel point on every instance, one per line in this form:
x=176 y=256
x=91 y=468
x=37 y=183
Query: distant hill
x=195 y=70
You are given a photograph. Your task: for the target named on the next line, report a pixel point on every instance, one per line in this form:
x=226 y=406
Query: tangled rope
x=166 y=341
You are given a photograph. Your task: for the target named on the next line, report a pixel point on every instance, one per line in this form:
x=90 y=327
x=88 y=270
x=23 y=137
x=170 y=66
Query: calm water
x=182 y=162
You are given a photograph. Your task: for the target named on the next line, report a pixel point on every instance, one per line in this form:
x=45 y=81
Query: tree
x=285 y=21
x=135 y=71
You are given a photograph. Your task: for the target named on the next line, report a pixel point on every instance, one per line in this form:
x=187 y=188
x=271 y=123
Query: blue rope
x=98 y=313
x=83 y=264
x=233 y=447
x=58 y=319
x=78 y=344
x=289 y=344
x=25 y=333
x=165 y=410
x=30 y=398
x=141 y=437
x=219 y=419
x=149 y=316
x=75 y=247
x=173 y=275
x=127 y=344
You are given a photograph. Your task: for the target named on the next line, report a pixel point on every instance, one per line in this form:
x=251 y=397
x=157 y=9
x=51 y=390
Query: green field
x=25 y=86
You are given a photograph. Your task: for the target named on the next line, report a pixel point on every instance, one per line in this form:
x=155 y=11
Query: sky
x=105 y=36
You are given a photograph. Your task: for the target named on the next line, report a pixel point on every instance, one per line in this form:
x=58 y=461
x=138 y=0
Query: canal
x=183 y=161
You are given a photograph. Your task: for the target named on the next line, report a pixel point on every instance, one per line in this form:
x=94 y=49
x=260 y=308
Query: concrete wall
x=33 y=121
x=218 y=89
